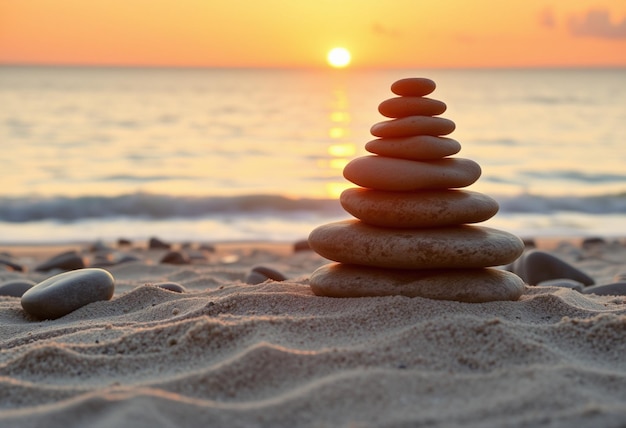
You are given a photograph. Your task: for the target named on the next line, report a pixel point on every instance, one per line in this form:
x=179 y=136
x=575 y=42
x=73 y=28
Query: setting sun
x=338 y=57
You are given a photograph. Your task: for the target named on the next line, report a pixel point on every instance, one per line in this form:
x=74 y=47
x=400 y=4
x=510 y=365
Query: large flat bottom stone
x=354 y=242
x=463 y=285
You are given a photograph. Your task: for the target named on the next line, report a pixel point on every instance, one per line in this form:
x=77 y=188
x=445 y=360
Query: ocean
x=215 y=155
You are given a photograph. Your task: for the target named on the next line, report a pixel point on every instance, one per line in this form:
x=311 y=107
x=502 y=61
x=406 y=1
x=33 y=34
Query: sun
x=338 y=57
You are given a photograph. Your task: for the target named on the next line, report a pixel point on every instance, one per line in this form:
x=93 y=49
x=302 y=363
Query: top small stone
x=413 y=87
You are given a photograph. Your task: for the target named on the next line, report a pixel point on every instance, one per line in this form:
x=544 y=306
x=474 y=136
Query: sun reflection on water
x=341 y=148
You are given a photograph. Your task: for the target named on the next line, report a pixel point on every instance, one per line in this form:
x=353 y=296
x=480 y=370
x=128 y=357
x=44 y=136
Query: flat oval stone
x=413 y=125
x=354 y=242
x=64 y=293
x=426 y=208
x=536 y=266
x=260 y=274
x=418 y=147
x=614 y=289
x=411 y=106
x=68 y=260
x=170 y=286
x=383 y=173
x=16 y=287
x=463 y=285
x=413 y=87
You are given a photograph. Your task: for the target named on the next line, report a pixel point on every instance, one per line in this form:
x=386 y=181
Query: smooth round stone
x=615 y=289
x=64 y=293
x=175 y=258
x=68 y=260
x=411 y=106
x=156 y=244
x=10 y=265
x=354 y=242
x=427 y=208
x=413 y=125
x=413 y=87
x=382 y=173
x=170 y=286
x=463 y=285
x=537 y=266
x=260 y=274
x=418 y=147
x=16 y=287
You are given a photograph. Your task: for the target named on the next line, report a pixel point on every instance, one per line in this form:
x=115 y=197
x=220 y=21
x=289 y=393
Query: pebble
x=62 y=294
x=170 y=286
x=411 y=106
x=536 y=266
x=16 y=287
x=175 y=258
x=354 y=242
x=124 y=242
x=401 y=175
x=418 y=147
x=464 y=285
x=69 y=260
x=260 y=274
x=157 y=244
x=413 y=125
x=428 y=208
x=615 y=289
x=10 y=265
x=413 y=87
x=592 y=242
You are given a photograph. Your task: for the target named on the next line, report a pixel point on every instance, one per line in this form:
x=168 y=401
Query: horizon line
x=310 y=68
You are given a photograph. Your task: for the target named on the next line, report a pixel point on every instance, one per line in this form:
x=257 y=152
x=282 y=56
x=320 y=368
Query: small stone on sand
x=64 y=293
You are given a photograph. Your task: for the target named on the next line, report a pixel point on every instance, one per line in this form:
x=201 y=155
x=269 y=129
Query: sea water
x=257 y=154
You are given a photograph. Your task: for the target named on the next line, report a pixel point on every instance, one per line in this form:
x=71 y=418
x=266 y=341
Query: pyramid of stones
x=414 y=233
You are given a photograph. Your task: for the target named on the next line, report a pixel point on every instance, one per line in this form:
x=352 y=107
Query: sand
x=229 y=354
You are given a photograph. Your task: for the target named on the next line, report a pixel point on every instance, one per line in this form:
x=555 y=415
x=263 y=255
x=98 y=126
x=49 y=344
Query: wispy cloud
x=597 y=23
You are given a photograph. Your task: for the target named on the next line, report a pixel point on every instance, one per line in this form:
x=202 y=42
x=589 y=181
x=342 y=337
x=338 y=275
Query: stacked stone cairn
x=413 y=233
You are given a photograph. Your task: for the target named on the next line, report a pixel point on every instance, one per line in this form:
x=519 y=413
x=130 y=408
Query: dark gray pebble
x=127 y=258
x=592 y=242
x=535 y=266
x=68 y=260
x=175 y=258
x=615 y=289
x=157 y=244
x=170 y=286
x=11 y=265
x=123 y=242
x=64 y=293
x=260 y=274
x=16 y=287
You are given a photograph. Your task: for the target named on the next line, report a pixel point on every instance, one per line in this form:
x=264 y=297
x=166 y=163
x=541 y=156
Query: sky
x=299 y=33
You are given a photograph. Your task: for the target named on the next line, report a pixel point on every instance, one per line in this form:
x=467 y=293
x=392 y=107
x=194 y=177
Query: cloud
x=546 y=18
x=381 y=30
x=597 y=23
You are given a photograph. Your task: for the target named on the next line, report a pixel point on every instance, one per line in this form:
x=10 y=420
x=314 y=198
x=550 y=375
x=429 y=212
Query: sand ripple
x=229 y=354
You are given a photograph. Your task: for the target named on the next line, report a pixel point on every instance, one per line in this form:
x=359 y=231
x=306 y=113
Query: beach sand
x=229 y=354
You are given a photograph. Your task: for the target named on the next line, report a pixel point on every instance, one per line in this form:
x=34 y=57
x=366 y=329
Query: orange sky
x=298 y=33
